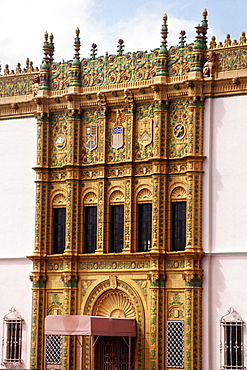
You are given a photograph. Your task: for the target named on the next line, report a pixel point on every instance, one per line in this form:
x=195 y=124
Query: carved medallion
x=60 y=142
x=179 y=131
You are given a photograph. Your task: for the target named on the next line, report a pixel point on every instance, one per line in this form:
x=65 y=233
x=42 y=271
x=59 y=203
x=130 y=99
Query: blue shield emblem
x=91 y=137
x=117 y=137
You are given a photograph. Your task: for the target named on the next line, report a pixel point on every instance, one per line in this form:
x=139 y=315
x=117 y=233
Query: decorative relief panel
x=144 y=195
x=90 y=198
x=116 y=136
x=232 y=59
x=61 y=140
x=118 y=265
x=115 y=304
x=176 y=264
x=55 y=305
x=180 y=129
x=16 y=85
x=90 y=137
x=143 y=170
x=116 y=172
x=60 y=76
x=176 y=305
x=85 y=284
x=180 y=59
x=144 y=144
x=112 y=69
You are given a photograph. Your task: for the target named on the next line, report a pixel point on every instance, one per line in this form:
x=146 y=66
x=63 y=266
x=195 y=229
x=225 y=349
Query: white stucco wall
x=15 y=291
x=224 y=219
x=17 y=188
x=17 y=221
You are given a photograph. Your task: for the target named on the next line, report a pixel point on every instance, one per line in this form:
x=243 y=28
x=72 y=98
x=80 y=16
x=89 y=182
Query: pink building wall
x=17 y=222
x=224 y=219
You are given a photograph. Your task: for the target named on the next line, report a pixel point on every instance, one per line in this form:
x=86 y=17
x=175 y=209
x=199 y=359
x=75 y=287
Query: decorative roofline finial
x=46 y=48
x=77 y=43
x=120 y=47
x=182 y=39
x=162 y=58
x=51 y=46
x=93 y=51
x=164 y=33
x=201 y=30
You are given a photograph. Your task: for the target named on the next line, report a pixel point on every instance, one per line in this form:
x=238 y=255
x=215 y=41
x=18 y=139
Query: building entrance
x=115 y=353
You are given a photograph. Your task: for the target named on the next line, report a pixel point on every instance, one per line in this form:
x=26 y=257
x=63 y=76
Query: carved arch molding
x=120 y=301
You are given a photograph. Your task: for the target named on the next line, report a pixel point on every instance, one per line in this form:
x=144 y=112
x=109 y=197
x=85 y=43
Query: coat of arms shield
x=91 y=137
x=145 y=135
x=117 y=137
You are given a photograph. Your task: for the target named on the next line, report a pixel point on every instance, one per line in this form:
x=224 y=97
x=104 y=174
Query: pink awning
x=89 y=325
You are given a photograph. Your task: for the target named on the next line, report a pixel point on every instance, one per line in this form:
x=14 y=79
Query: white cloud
x=23 y=24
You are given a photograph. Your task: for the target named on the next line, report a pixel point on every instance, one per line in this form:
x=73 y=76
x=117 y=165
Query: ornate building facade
x=121 y=142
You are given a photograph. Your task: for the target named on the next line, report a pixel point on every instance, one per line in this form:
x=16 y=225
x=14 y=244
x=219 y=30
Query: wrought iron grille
x=175 y=344
x=231 y=341
x=54 y=349
x=12 y=339
x=114 y=353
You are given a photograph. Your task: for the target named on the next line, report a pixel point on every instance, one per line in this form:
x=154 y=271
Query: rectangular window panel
x=233 y=345
x=54 y=349
x=13 y=341
x=178 y=226
x=144 y=227
x=175 y=344
x=90 y=229
x=117 y=228
x=59 y=227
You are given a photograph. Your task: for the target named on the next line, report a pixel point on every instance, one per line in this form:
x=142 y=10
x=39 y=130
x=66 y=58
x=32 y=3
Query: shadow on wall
x=213 y=282
x=217 y=117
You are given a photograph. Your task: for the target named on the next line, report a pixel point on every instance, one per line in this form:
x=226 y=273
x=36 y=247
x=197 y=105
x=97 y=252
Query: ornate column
x=193 y=319
x=130 y=111
x=128 y=216
x=101 y=217
x=38 y=316
x=157 y=318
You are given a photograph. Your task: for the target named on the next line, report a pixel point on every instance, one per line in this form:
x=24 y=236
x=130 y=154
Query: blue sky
x=137 y=22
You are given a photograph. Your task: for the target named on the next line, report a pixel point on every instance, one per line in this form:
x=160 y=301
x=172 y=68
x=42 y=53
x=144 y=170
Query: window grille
x=175 y=344
x=231 y=341
x=54 y=349
x=12 y=339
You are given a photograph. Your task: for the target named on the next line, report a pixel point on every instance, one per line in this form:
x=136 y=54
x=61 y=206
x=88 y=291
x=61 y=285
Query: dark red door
x=114 y=353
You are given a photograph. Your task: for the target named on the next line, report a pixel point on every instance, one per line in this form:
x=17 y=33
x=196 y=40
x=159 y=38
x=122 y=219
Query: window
x=59 y=226
x=144 y=227
x=12 y=337
x=232 y=341
x=54 y=349
x=90 y=229
x=175 y=343
x=117 y=228
x=178 y=226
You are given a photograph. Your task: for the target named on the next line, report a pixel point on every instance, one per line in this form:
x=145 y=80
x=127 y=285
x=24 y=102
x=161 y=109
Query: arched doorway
x=114 y=352
x=116 y=298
